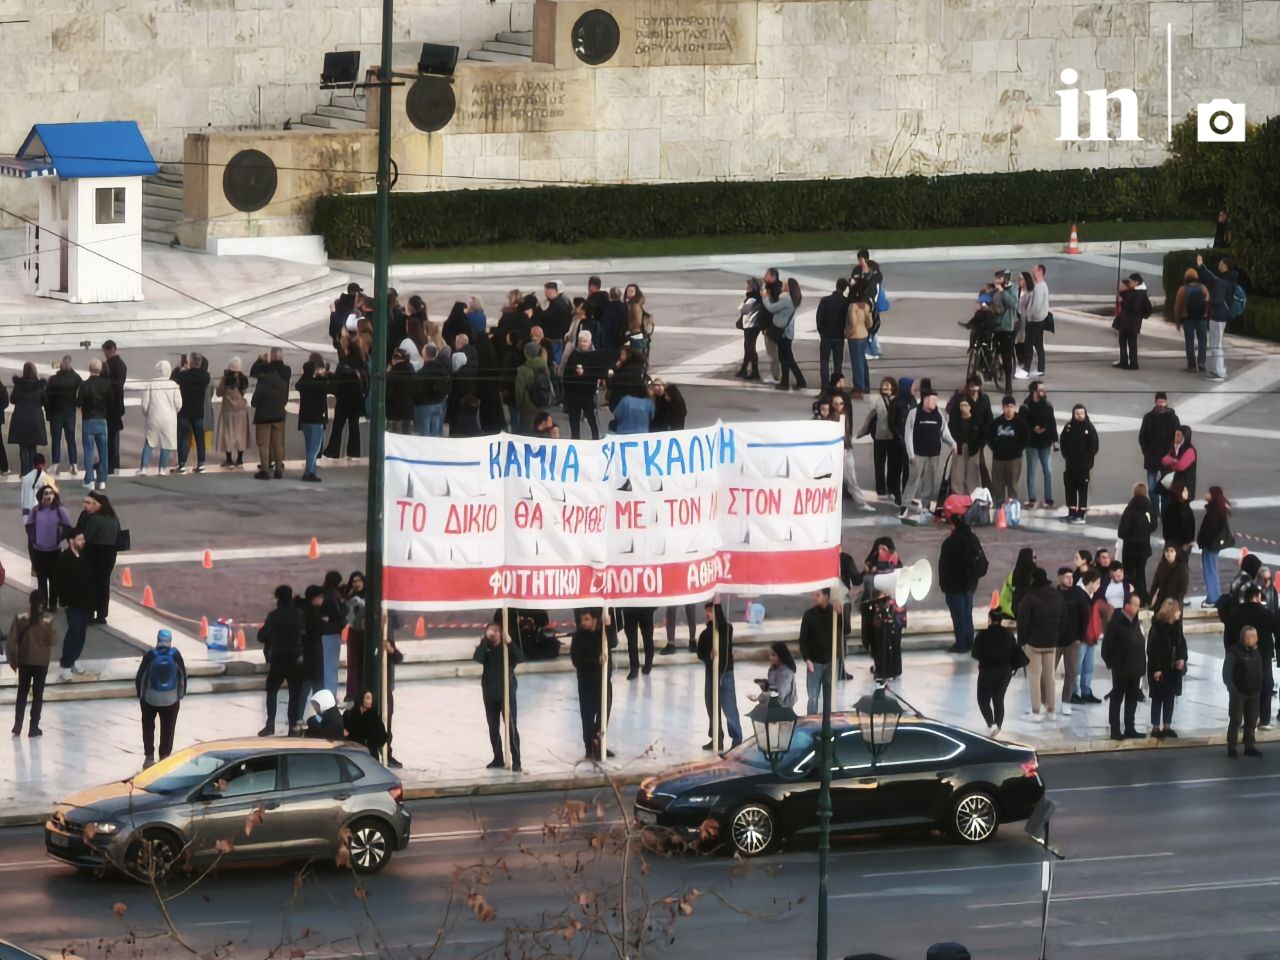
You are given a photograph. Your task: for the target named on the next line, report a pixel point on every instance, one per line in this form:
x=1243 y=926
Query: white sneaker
x=1065 y=708
x=867 y=508
x=1021 y=374
x=64 y=676
x=1033 y=716
x=79 y=671
x=1039 y=374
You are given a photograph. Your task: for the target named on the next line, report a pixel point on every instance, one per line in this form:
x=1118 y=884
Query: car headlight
x=101 y=828
x=697 y=800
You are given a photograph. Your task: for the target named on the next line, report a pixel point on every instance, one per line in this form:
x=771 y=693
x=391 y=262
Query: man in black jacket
x=1155 y=439
x=1042 y=441
x=192 y=378
x=724 y=667
x=1007 y=440
x=314 y=387
x=489 y=654
x=270 y=394
x=78 y=593
x=830 y=322
x=816 y=641
x=61 y=398
x=588 y=656
x=281 y=639
x=1252 y=614
x=961 y=564
x=432 y=391
x=117 y=373
x=1242 y=674
x=95 y=415
x=1124 y=651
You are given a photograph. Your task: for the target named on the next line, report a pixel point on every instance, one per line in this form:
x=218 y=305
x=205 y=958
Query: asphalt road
x=1169 y=854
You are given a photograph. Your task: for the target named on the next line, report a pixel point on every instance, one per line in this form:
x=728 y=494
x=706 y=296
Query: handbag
x=1226 y=538
x=1019 y=658
x=1048 y=323
x=124 y=542
x=882 y=300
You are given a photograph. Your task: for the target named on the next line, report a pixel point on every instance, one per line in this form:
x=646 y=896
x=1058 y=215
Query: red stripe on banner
x=786 y=571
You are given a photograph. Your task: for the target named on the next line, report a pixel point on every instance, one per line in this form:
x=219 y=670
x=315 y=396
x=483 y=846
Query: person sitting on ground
x=363 y=725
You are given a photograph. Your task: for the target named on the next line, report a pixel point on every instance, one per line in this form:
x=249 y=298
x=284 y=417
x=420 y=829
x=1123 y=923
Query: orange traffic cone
x=1002 y=522
x=345 y=631
x=148 y=598
x=995 y=599
x=204 y=628
x=420 y=628
x=126 y=578
x=240 y=639
x=207 y=560
x=1073 y=242
x=313 y=552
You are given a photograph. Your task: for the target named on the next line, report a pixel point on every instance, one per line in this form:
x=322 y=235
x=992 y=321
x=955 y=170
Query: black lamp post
x=878 y=715
x=775 y=726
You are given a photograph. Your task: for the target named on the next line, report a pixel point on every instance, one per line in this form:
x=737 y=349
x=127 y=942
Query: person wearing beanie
x=925 y=434
x=1133 y=305
x=1079 y=445
x=533 y=386
x=161 y=683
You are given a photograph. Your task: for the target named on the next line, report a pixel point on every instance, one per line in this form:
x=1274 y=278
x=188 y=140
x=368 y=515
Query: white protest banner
x=647 y=519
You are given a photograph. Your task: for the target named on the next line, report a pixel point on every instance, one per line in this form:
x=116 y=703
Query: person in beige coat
x=160 y=402
x=232 y=436
x=26 y=648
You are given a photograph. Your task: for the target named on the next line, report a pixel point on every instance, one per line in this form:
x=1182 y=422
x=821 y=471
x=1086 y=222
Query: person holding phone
x=781 y=678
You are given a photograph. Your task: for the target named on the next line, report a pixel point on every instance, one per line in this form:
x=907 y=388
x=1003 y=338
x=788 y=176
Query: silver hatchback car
x=282 y=799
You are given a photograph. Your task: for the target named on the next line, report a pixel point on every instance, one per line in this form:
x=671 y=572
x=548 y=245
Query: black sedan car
x=932 y=774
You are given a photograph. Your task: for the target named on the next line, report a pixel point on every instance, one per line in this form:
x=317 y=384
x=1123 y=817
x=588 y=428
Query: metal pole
x=1046 y=886
x=382 y=703
x=506 y=688
x=824 y=793
x=606 y=620
x=377 y=363
x=715 y=679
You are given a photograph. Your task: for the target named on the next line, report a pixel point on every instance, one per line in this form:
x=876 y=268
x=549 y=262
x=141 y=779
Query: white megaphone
x=907 y=583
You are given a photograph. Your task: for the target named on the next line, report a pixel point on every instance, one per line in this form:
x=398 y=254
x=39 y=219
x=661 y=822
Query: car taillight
x=397 y=793
x=1030 y=768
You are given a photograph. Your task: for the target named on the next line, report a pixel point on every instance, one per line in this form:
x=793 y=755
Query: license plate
x=58 y=840
x=645 y=817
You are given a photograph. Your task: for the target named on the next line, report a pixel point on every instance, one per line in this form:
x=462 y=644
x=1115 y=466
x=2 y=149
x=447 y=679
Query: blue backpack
x=160 y=686
x=882 y=300
x=1239 y=300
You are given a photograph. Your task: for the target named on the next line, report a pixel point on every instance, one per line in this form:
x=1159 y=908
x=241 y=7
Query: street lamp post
x=775 y=726
x=878 y=715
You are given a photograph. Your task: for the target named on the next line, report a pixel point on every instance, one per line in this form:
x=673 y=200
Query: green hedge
x=1175 y=264
x=646 y=211
x=1253 y=209
x=1262 y=317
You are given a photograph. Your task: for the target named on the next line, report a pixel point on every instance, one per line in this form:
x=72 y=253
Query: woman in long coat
x=160 y=403
x=26 y=426
x=232 y=436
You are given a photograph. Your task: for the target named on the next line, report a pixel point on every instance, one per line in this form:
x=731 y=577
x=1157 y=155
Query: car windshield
x=749 y=752
x=183 y=771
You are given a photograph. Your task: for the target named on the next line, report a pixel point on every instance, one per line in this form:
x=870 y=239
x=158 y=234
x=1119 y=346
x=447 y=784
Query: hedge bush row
x=1262 y=317
x=449 y=218
x=1174 y=266
x=1253 y=209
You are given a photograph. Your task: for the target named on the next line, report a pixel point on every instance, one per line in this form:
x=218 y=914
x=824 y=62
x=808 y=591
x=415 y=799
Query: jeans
x=168 y=723
x=1216 y=362
x=146 y=457
x=1162 y=699
x=330 y=647
x=830 y=355
x=93 y=434
x=992 y=685
x=1157 y=498
x=493 y=714
x=961 y=607
x=428 y=419
x=1123 y=691
x=1084 y=683
x=1042 y=457
x=728 y=707
x=858 y=363
x=60 y=425
x=189 y=427
x=312 y=439
x=873 y=341
x=1194 y=334
x=813 y=681
x=1035 y=344
x=73 y=641
x=1209 y=565
x=30 y=679
x=1242 y=709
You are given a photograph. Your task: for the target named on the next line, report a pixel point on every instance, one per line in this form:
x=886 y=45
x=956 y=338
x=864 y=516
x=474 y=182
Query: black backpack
x=540 y=393
x=980 y=563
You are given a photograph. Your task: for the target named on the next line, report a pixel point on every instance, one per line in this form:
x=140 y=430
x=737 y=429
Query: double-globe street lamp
x=877 y=716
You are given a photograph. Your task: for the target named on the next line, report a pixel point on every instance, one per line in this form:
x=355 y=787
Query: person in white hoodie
x=160 y=402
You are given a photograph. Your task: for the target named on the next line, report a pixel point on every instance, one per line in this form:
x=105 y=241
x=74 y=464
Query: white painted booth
x=87 y=245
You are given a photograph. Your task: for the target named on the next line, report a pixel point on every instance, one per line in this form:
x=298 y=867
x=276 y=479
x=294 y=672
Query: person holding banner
x=637 y=624
x=491 y=652
x=586 y=652
x=718 y=632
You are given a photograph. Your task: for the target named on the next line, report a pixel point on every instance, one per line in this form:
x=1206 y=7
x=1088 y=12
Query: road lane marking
x=443 y=835
x=1022 y=863
x=1201 y=781
x=1198 y=934
x=1208 y=887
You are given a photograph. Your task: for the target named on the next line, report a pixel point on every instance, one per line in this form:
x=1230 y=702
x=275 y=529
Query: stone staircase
x=344 y=111
x=162 y=205
x=507 y=47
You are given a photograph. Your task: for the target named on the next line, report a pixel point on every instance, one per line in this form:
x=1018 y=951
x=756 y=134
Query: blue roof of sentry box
x=72 y=151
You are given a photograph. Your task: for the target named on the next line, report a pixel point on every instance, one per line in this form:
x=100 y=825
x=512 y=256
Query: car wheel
x=974 y=817
x=153 y=855
x=369 y=846
x=753 y=829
